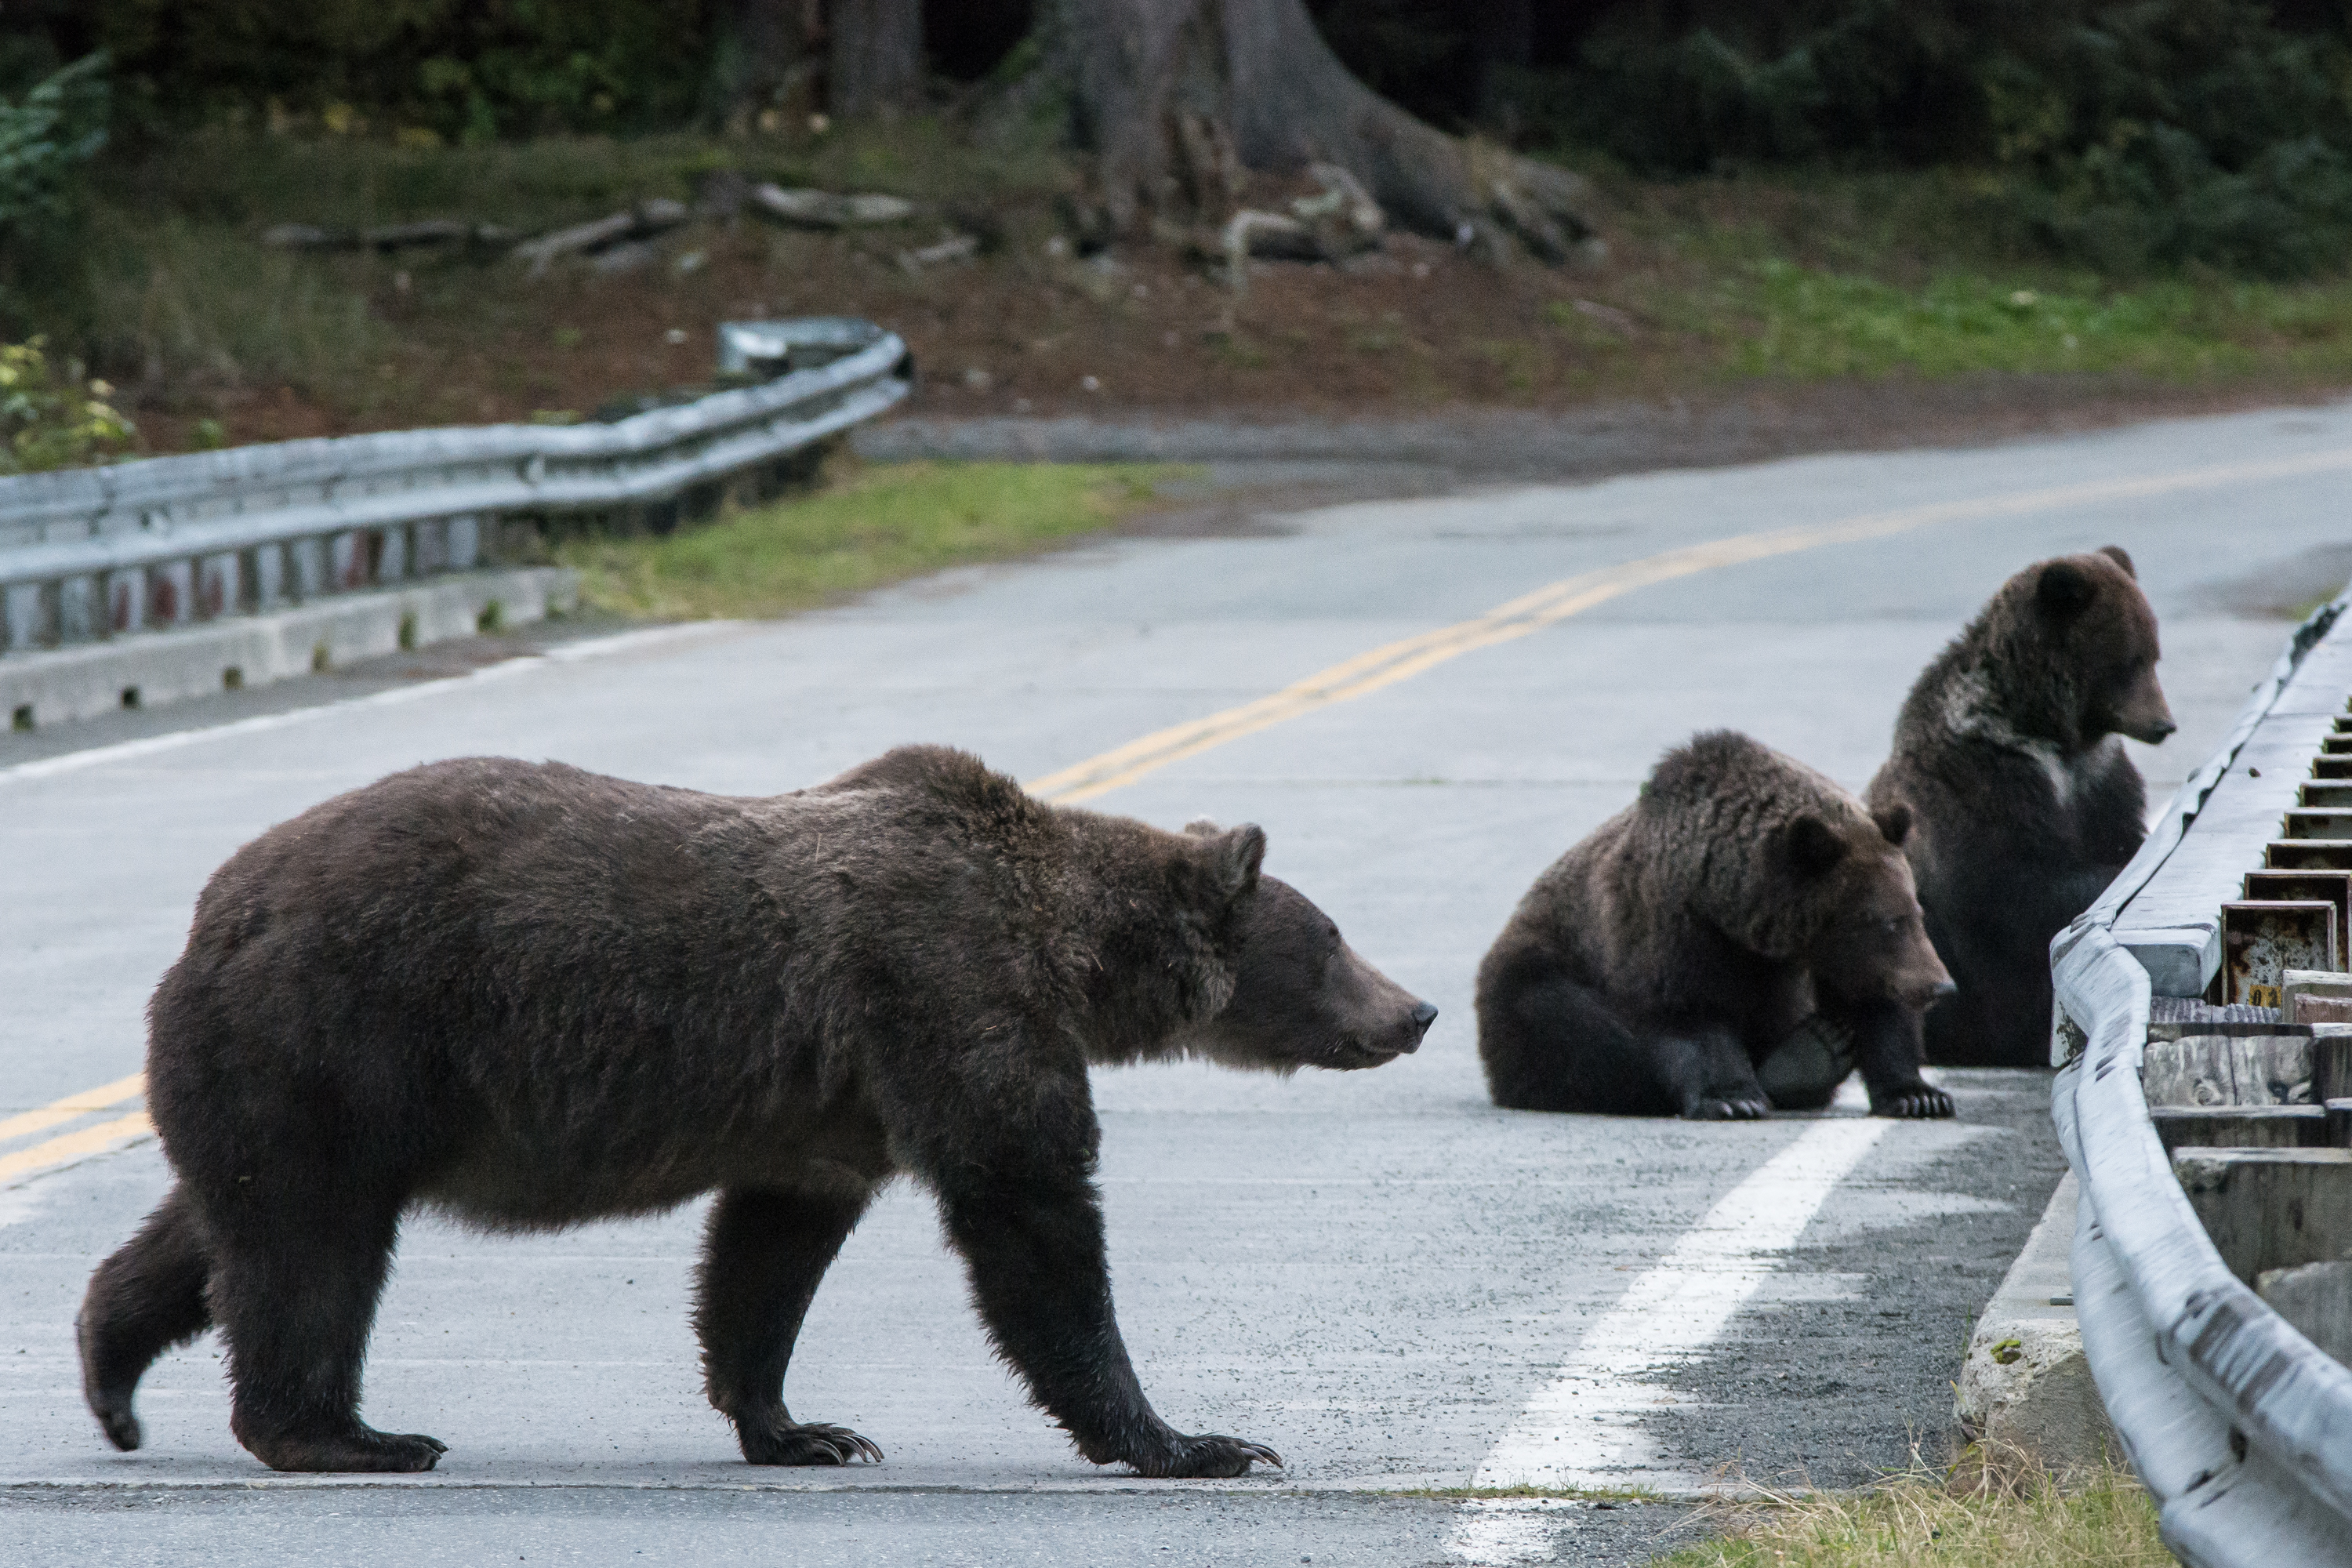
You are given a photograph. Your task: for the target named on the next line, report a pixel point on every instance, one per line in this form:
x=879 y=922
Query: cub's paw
x=1709 y=1108
x=354 y=1449
x=814 y=1444
x=1208 y=1454
x=1916 y=1102
x=112 y=1409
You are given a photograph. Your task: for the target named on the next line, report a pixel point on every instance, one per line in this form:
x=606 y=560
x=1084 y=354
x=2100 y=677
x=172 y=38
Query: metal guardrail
x=2239 y=1426
x=88 y=554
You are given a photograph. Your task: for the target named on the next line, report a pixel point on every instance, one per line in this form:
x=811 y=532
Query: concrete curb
x=2025 y=1391
x=147 y=669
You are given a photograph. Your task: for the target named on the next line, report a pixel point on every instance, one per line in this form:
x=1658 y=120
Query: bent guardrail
x=2237 y=1422
x=90 y=554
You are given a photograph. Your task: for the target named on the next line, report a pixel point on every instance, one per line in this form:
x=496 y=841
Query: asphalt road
x=1377 y=1274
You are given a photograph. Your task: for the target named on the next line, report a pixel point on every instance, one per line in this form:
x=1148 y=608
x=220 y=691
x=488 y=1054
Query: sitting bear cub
x=530 y=997
x=2023 y=804
x=1741 y=936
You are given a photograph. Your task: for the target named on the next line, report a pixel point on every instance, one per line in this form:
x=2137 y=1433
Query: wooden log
x=648 y=217
x=828 y=209
x=2260 y=942
x=2317 y=1300
x=2240 y=1126
x=2270 y=1208
x=2309 y=854
x=2227 y=1064
x=2303 y=887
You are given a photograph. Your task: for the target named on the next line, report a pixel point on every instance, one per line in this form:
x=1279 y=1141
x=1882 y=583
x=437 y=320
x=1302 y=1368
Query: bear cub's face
x=2093 y=608
x=1302 y=997
x=1874 y=944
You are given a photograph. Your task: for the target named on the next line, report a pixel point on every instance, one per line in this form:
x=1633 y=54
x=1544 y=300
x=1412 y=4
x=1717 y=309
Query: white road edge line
x=1583 y=1429
x=171 y=741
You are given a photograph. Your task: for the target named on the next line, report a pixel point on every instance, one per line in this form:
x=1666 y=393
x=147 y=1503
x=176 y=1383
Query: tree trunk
x=1169 y=93
x=1505 y=39
x=876 y=59
x=769 y=54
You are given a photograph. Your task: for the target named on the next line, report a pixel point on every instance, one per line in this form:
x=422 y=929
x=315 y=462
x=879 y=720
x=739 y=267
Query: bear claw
x=1725 y=1110
x=1210 y=1455
x=360 y=1450
x=1920 y=1104
x=813 y=1444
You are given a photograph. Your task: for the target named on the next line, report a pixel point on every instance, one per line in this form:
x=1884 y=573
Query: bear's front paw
x=787 y=1443
x=1709 y=1109
x=1208 y=1454
x=354 y=1448
x=1916 y=1101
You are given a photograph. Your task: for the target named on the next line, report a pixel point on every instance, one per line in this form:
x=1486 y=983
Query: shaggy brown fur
x=2026 y=803
x=1743 y=904
x=531 y=996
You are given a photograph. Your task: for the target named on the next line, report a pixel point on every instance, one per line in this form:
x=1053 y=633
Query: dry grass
x=1925 y=1520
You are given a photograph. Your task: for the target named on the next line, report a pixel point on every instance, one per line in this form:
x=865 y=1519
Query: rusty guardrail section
x=2238 y=1423
x=92 y=554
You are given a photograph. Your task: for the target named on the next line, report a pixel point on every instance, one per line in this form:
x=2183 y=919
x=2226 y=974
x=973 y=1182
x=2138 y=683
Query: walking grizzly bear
x=531 y=996
x=2026 y=807
x=1741 y=936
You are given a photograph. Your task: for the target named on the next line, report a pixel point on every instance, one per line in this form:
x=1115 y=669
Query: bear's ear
x=2063 y=589
x=1894 y=822
x=1813 y=845
x=1202 y=827
x=2117 y=553
x=1237 y=853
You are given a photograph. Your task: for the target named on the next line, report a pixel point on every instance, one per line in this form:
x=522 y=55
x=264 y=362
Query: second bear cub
x=1744 y=913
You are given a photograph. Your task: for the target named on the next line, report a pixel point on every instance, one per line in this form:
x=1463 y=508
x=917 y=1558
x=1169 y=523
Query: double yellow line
x=83 y=1140
x=1401 y=660
x=1370 y=672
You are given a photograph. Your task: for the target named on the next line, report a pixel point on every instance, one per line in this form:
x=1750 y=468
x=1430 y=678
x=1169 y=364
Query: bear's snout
x=1424 y=1016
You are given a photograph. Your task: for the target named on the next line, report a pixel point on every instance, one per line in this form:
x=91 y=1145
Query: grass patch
x=1812 y=325
x=873 y=527
x=1575 y=1494
x=1918 y=1522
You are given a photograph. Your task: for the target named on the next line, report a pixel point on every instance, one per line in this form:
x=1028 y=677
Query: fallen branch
x=642 y=221
x=1342 y=222
x=954 y=247
x=390 y=237
x=828 y=209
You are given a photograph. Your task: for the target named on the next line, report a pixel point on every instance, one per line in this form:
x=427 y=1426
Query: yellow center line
x=1392 y=662
x=1387 y=665
x=73 y=1146
x=74 y=1105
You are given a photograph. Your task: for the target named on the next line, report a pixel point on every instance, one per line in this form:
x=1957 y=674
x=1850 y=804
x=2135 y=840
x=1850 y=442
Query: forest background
x=2155 y=193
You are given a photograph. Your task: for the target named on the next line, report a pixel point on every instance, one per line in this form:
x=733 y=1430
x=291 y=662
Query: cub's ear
x=2063 y=589
x=1813 y=845
x=2117 y=553
x=1236 y=856
x=1202 y=827
x=1894 y=822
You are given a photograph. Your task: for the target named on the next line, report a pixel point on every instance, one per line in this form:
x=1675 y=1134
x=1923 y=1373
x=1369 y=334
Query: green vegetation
x=1778 y=320
x=1916 y=1521
x=873 y=528
x=48 y=421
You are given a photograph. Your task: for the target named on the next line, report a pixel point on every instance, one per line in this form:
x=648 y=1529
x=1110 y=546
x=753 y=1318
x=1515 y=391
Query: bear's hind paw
x=357 y=1449
x=813 y=1444
x=1714 y=1109
x=1210 y=1455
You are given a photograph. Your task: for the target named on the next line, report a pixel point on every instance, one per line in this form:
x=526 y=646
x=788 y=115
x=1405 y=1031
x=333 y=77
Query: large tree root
x=1175 y=96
